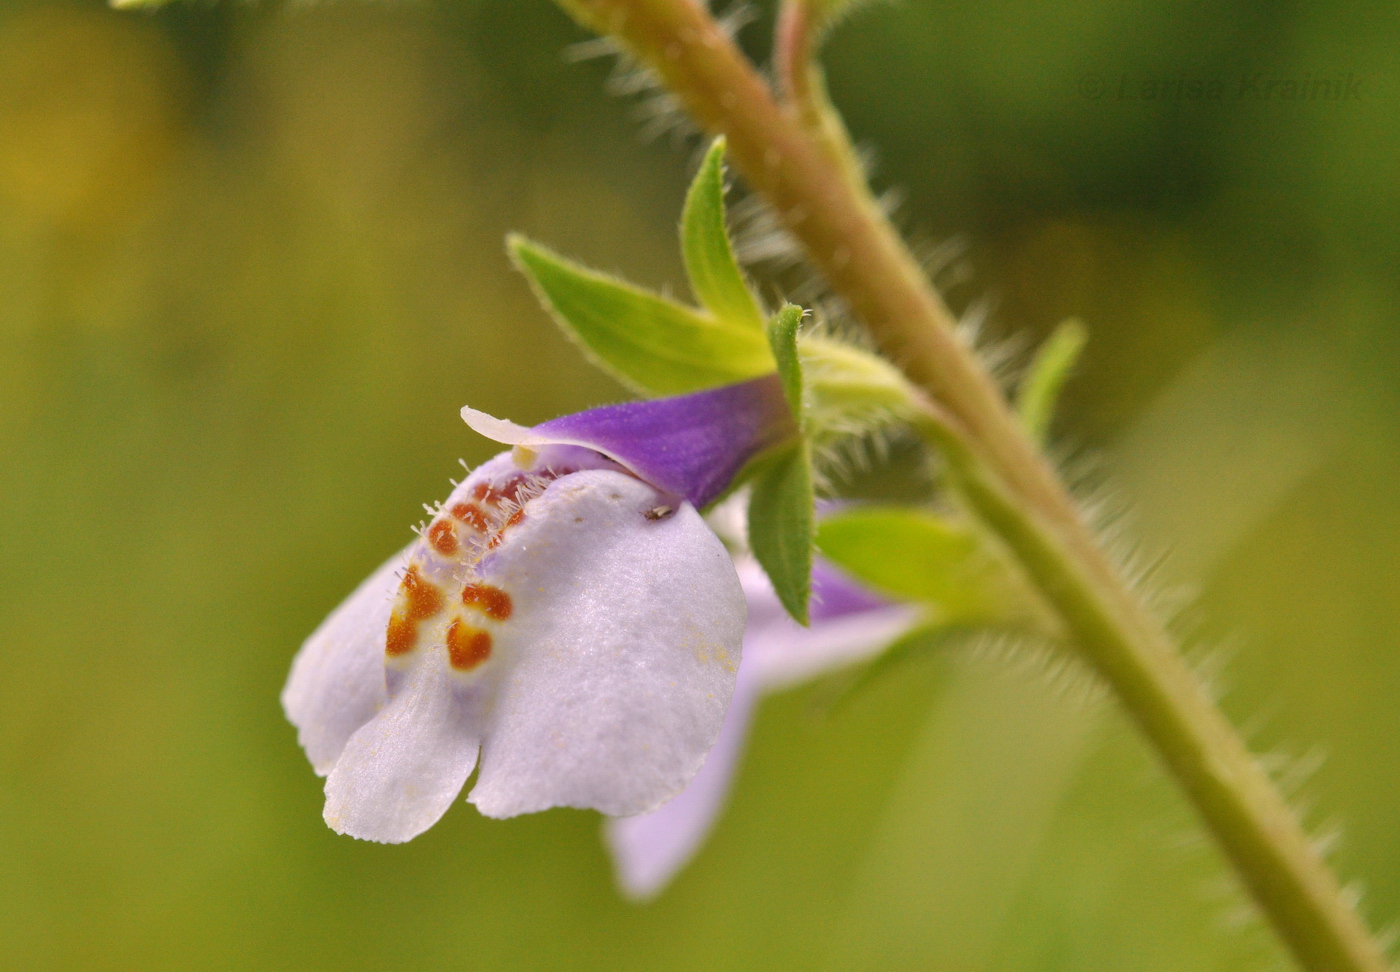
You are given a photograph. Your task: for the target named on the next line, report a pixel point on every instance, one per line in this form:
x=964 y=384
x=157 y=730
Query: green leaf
x=782 y=338
x=781 y=526
x=1051 y=367
x=651 y=344
x=917 y=555
x=709 y=259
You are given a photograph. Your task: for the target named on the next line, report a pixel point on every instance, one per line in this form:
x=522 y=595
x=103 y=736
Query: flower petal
x=690 y=446
x=402 y=770
x=649 y=849
x=623 y=647
x=849 y=624
x=337 y=680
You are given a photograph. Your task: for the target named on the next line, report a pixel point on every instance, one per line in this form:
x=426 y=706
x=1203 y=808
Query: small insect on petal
x=658 y=512
x=467 y=647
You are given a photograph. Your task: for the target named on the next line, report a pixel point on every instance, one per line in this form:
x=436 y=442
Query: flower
x=566 y=616
x=849 y=624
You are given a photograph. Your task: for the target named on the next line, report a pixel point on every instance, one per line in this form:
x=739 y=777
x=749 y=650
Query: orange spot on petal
x=491 y=601
x=494 y=493
x=511 y=490
x=424 y=599
x=402 y=635
x=514 y=518
x=467 y=647
x=442 y=535
x=471 y=515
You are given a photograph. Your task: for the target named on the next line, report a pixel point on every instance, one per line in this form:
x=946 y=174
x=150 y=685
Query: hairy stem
x=794 y=150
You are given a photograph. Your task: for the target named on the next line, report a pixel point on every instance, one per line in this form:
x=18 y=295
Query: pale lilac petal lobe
x=850 y=624
x=337 y=680
x=787 y=658
x=649 y=849
x=401 y=771
x=835 y=594
x=621 y=654
x=854 y=626
x=690 y=446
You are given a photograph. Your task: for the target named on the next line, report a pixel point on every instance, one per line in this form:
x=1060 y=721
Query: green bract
x=782 y=338
x=849 y=390
x=781 y=504
x=715 y=276
x=651 y=344
x=655 y=345
x=780 y=525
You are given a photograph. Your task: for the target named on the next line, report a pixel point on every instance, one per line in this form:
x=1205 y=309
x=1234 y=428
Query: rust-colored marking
x=490 y=601
x=442 y=535
x=511 y=488
x=423 y=598
x=402 y=635
x=472 y=516
x=494 y=493
x=418 y=600
x=511 y=521
x=467 y=647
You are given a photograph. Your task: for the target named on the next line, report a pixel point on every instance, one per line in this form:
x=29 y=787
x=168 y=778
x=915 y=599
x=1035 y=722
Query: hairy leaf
x=709 y=259
x=651 y=344
x=781 y=526
x=782 y=338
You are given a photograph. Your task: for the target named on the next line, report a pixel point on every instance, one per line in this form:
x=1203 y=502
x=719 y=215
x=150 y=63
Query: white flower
x=567 y=617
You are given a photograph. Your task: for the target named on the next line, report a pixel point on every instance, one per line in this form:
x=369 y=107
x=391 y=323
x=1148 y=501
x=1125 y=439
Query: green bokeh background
x=251 y=267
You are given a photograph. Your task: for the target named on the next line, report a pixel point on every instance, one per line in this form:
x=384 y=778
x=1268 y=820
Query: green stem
x=797 y=154
x=1238 y=801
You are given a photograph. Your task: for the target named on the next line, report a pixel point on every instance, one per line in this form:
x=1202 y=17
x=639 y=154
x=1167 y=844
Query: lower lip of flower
x=441 y=588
